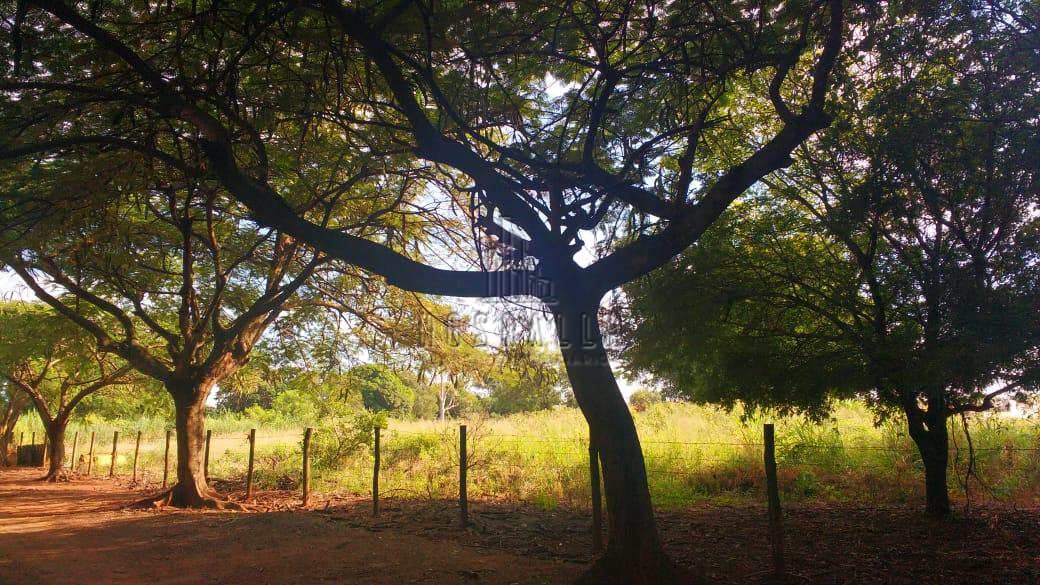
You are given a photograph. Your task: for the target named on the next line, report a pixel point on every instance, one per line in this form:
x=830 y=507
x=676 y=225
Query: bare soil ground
x=82 y=532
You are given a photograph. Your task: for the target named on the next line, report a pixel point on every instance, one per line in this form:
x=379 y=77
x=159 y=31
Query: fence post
x=46 y=441
x=137 y=450
x=249 y=471
x=776 y=529
x=90 y=455
x=375 y=474
x=307 y=464
x=205 y=459
x=115 y=444
x=166 y=460
x=463 y=464
x=75 y=443
x=597 y=502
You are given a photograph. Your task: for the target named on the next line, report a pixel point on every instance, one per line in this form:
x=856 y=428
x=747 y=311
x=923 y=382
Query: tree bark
x=55 y=448
x=191 y=489
x=932 y=442
x=13 y=409
x=634 y=554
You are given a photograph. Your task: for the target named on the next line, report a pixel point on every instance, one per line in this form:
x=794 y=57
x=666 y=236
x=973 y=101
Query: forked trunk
x=55 y=449
x=191 y=489
x=933 y=444
x=633 y=554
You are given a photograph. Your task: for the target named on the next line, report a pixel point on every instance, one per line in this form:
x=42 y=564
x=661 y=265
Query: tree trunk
x=191 y=489
x=55 y=448
x=933 y=444
x=13 y=409
x=633 y=554
x=6 y=434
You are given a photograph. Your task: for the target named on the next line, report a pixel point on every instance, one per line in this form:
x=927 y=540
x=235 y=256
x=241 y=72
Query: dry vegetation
x=694 y=455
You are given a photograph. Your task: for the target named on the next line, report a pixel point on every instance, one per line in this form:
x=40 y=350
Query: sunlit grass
x=693 y=454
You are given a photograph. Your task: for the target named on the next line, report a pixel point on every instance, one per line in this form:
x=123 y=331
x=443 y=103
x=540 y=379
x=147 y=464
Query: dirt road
x=78 y=533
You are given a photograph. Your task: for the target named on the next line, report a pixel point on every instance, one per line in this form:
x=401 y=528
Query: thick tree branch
x=270 y=209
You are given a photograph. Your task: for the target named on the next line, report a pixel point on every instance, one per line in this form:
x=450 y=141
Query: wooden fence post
x=115 y=444
x=75 y=443
x=249 y=471
x=137 y=450
x=90 y=455
x=597 y=501
x=166 y=460
x=776 y=529
x=463 y=464
x=46 y=441
x=205 y=459
x=375 y=474
x=307 y=464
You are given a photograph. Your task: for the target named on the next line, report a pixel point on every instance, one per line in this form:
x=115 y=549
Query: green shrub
x=381 y=389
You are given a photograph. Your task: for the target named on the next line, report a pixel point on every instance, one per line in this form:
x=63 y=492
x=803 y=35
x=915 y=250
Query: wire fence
x=555 y=471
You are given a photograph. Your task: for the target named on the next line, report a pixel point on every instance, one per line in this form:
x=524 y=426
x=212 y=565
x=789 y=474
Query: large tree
x=187 y=285
x=459 y=94
x=55 y=366
x=186 y=288
x=138 y=230
x=898 y=260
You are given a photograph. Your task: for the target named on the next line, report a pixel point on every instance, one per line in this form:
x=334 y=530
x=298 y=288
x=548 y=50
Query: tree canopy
x=446 y=106
x=896 y=260
x=56 y=365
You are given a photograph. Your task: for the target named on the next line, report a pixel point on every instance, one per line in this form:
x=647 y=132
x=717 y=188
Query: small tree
x=56 y=366
x=643 y=398
x=381 y=390
x=525 y=379
x=168 y=278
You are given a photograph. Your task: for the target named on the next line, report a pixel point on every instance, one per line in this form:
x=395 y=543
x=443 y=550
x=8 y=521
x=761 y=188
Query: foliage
x=694 y=453
x=380 y=388
x=896 y=259
x=703 y=328
x=342 y=438
x=55 y=363
x=530 y=379
x=644 y=398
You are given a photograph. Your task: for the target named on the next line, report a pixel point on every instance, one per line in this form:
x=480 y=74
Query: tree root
x=61 y=475
x=167 y=498
x=160 y=500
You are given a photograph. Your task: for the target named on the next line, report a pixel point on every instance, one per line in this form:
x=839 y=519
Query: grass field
x=693 y=454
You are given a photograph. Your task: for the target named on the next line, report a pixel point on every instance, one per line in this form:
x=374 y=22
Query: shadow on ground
x=80 y=532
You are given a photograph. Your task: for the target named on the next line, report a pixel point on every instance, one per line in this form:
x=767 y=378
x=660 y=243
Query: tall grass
x=693 y=454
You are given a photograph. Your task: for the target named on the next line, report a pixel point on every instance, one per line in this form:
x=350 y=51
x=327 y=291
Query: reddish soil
x=76 y=533
x=80 y=532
